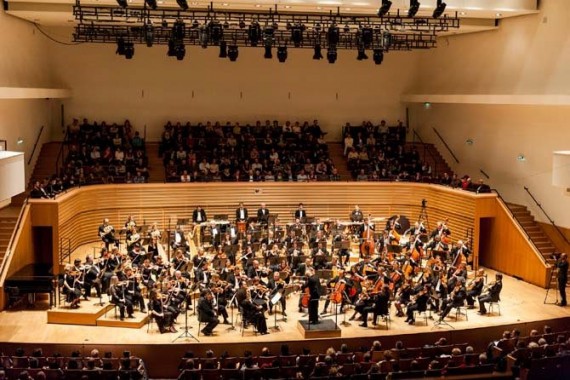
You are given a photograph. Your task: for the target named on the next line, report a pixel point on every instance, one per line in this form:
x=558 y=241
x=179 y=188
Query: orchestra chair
x=492 y=305
x=199 y=327
x=150 y=317
x=420 y=314
x=461 y=310
x=244 y=323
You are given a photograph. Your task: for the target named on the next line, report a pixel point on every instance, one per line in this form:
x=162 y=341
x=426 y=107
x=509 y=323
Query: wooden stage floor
x=521 y=303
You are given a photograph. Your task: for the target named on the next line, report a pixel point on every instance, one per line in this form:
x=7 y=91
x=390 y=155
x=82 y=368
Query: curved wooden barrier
x=77 y=214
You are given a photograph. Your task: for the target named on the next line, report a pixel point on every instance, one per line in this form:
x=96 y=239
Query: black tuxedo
x=300 y=214
x=207 y=315
x=239 y=213
x=263 y=215
x=200 y=213
x=457 y=301
x=314 y=290
x=492 y=295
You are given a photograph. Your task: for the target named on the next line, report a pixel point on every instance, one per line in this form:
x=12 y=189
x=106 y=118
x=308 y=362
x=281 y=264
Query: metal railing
x=446 y=146
x=35 y=145
x=11 y=242
x=64 y=250
x=62 y=155
x=547 y=216
x=427 y=151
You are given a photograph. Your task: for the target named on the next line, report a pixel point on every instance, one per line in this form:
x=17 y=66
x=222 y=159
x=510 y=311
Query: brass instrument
x=106 y=230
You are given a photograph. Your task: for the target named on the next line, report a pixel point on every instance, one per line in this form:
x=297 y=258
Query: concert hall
x=284 y=189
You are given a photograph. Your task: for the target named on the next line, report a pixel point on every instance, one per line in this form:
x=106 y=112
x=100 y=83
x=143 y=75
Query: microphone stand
x=231 y=305
x=186 y=333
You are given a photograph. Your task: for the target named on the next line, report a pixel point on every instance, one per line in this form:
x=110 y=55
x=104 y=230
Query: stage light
x=203 y=37
x=414 y=8
x=268 y=53
x=223 y=50
x=361 y=53
x=282 y=53
x=178 y=30
x=151 y=3
x=297 y=35
x=378 y=56
x=180 y=52
x=241 y=24
x=122 y=3
x=233 y=52
x=439 y=9
x=254 y=33
x=164 y=24
x=333 y=35
x=195 y=24
x=149 y=34
x=331 y=54
x=317 y=55
x=120 y=46
x=182 y=4
x=384 y=8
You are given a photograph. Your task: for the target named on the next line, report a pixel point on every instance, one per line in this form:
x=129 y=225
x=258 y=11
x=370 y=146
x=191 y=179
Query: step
x=110 y=320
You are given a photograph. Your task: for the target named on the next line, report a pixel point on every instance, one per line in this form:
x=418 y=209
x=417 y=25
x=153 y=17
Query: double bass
x=367 y=246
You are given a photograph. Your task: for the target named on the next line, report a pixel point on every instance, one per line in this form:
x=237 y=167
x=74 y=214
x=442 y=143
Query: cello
x=367 y=246
x=306 y=298
x=336 y=295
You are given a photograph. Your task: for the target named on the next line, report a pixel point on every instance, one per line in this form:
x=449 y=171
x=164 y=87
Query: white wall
x=527 y=55
x=153 y=88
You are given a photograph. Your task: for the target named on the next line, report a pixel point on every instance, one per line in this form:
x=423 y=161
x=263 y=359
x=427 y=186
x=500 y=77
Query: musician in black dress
x=562 y=265
x=492 y=294
x=313 y=285
x=107 y=234
x=92 y=277
x=118 y=293
x=253 y=313
x=71 y=287
x=207 y=314
x=263 y=214
x=134 y=294
x=163 y=317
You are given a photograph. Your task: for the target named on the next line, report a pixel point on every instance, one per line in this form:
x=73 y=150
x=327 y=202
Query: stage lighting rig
x=414 y=8
x=439 y=9
x=151 y=4
x=123 y=3
x=366 y=35
x=378 y=56
x=149 y=34
x=215 y=32
x=254 y=33
x=183 y=4
x=282 y=53
x=361 y=53
x=384 y=8
x=297 y=34
x=333 y=35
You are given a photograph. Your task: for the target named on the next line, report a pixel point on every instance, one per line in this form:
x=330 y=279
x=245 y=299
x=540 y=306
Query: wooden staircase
x=7 y=225
x=336 y=153
x=45 y=165
x=155 y=164
x=430 y=154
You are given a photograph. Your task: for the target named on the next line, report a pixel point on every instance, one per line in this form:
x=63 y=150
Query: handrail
x=60 y=154
x=518 y=222
x=426 y=150
x=11 y=242
x=547 y=216
x=35 y=144
x=446 y=146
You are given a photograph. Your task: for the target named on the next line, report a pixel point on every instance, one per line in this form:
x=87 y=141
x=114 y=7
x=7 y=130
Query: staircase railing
x=446 y=146
x=35 y=145
x=62 y=154
x=11 y=242
x=427 y=151
x=517 y=221
x=64 y=250
x=547 y=216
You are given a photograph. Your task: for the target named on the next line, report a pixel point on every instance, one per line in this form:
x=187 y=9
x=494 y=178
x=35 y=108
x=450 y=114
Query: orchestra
x=256 y=263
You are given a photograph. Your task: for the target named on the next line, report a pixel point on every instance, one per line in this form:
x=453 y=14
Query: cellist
x=338 y=288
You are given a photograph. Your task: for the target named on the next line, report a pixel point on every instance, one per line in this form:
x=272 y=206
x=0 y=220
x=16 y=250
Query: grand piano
x=31 y=279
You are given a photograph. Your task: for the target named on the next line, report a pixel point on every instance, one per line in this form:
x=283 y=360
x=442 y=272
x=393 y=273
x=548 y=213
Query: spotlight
x=122 y=3
x=282 y=53
x=233 y=52
x=182 y=4
x=223 y=50
x=254 y=33
x=361 y=53
x=378 y=56
x=120 y=46
x=297 y=35
x=164 y=24
x=129 y=50
x=333 y=35
x=268 y=53
x=268 y=34
x=414 y=8
x=180 y=52
x=384 y=8
x=331 y=55
x=195 y=24
x=151 y=3
x=241 y=24
x=149 y=34
x=439 y=9
x=317 y=55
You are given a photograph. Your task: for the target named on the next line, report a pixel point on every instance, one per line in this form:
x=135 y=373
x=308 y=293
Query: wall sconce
x=521 y=157
x=20 y=141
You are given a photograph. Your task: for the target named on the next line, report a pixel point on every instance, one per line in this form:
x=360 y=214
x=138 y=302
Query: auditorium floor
x=521 y=303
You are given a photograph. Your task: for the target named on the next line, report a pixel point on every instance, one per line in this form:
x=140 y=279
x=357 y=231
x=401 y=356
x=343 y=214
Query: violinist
x=277 y=285
x=456 y=299
x=107 y=234
x=163 y=317
x=92 y=277
x=420 y=304
x=456 y=274
x=403 y=298
x=136 y=254
x=475 y=288
x=71 y=287
x=133 y=290
x=356 y=214
x=364 y=301
x=253 y=313
x=180 y=240
x=199 y=259
x=218 y=288
x=207 y=314
x=338 y=286
x=319 y=255
x=379 y=307
x=203 y=275
x=117 y=291
x=492 y=294
x=109 y=263
x=148 y=274
x=152 y=249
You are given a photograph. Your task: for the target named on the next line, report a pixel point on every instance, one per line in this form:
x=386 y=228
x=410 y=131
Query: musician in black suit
x=379 y=307
x=492 y=294
x=199 y=215
x=456 y=299
x=92 y=278
x=253 y=313
x=300 y=213
x=241 y=213
x=420 y=304
x=107 y=234
x=313 y=285
x=562 y=265
x=207 y=314
x=276 y=285
x=356 y=215
x=263 y=214
x=179 y=240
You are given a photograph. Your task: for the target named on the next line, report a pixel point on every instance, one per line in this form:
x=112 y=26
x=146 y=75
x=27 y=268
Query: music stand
x=273 y=301
x=185 y=333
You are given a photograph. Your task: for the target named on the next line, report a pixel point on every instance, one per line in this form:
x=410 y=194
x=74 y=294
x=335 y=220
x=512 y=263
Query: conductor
x=314 y=295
